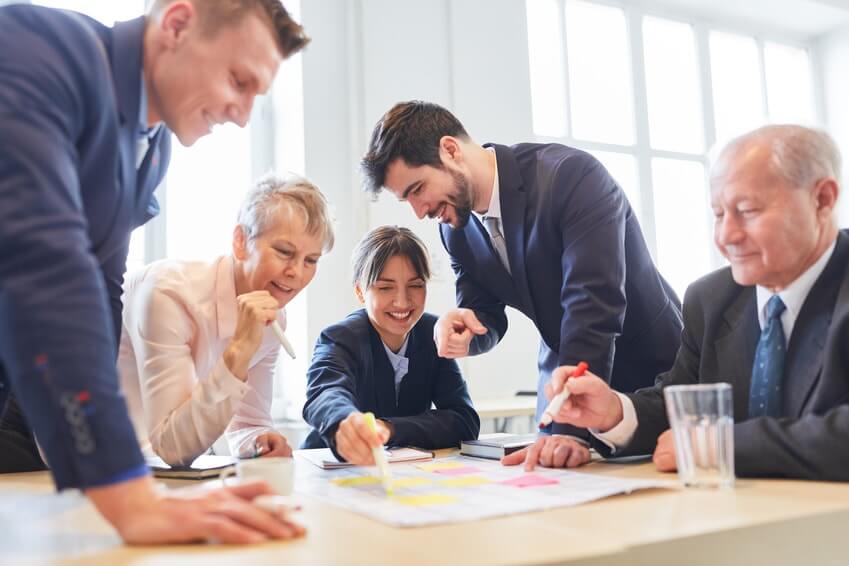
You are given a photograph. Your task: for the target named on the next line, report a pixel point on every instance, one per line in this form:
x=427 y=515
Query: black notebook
x=206 y=466
x=495 y=446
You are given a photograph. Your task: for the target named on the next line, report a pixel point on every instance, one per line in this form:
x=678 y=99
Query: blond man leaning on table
x=197 y=351
x=775 y=323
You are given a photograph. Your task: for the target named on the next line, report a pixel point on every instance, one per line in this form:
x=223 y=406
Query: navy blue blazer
x=581 y=270
x=721 y=333
x=350 y=371
x=70 y=194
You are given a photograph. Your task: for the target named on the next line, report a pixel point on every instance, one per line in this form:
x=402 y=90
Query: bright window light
x=788 y=84
x=545 y=46
x=672 y=82
x=737 y=94
x=681 y=221
x=206 y=184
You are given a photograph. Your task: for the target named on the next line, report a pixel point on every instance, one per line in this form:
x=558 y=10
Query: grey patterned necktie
x=492 y=226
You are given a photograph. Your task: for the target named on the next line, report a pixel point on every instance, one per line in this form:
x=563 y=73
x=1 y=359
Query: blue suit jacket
x=70 y=194
x=581 y=270
x=721 y=333
x=350 y=371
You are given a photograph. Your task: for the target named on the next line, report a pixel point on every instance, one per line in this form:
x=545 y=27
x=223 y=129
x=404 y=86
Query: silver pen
x=275 y=326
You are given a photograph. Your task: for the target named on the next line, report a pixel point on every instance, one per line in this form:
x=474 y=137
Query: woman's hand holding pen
x=272 y=444
x=355 y=440
x=256 y=310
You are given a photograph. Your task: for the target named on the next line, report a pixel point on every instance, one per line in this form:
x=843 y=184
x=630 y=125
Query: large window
x=649 y=97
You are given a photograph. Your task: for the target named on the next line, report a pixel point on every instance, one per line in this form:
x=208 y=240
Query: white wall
x=834 y=56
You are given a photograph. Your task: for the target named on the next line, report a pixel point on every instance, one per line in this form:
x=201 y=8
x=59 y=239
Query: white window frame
x=641 y=150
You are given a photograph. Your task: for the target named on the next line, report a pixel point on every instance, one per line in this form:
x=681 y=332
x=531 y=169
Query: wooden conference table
x=759 y=522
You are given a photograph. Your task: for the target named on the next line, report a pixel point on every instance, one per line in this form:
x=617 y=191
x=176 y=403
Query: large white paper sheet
x=458 y=489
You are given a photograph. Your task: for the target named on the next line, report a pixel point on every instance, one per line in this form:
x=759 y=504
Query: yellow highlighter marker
x=379 y=456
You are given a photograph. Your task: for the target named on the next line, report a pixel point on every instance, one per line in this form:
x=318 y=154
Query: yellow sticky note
x=464 y=481
x=427 y=499
x=356 y=481
x=401 y=483
x=440 y=466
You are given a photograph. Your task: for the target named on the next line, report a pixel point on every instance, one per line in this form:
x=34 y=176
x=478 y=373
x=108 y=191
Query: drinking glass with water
x=702 y=421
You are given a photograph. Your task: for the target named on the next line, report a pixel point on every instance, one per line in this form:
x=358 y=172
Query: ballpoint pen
x=275 y=326
x=558 y=400
x=379 y=456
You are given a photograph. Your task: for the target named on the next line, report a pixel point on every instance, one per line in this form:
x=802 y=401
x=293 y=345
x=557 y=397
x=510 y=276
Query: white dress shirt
x=400 y=364
x=179 y=317
x=793 y=296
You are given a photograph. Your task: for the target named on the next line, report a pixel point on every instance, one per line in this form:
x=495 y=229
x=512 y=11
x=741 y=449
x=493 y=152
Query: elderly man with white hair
x=783 y=301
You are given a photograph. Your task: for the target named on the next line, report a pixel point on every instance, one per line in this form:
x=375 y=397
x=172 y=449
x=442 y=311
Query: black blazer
x=350 y=371
x=581 y=270
x=721 y=332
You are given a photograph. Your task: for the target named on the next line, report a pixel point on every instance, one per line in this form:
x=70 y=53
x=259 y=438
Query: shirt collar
x=143 y=129
x=397 y=359
x=494 y=208
x=793 y=296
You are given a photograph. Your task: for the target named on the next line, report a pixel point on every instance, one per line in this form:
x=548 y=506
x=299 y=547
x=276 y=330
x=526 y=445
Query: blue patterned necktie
x=768 y=369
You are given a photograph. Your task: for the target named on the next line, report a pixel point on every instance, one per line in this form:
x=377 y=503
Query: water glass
x=702 y=421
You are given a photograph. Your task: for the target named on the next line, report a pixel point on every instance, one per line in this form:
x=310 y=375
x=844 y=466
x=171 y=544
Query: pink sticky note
x=457 y=471
x=529 y=480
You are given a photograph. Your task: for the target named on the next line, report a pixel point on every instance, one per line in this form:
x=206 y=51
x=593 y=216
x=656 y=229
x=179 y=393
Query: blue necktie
x=768 y=369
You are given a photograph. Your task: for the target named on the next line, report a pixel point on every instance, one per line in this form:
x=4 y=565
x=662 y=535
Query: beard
x=461 y=199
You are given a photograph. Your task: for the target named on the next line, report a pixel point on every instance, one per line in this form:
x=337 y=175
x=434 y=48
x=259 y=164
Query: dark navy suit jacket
x=350 y=371
x=721 y=332
x=70 y=194
x=580 y=268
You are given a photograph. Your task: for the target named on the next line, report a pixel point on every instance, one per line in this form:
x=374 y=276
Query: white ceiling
x=801 y=18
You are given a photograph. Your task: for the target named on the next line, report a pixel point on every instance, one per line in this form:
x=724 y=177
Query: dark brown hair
x=410 y=130
x=381 y=244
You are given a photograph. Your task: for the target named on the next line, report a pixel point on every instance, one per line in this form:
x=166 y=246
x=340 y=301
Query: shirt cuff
x=620 y=436
x=225 y=384
x=242 y=442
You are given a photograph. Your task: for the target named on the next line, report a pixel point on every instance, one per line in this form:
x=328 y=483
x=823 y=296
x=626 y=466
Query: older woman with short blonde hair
x=197 y=353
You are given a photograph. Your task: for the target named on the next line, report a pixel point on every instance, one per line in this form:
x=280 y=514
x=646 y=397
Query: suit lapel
x=414 y=393
x=805 y=350
x=513 y=203
x=733 y=362
x=383 y=376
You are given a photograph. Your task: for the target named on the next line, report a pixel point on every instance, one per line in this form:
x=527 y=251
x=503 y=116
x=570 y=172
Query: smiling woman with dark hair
x=382 y=359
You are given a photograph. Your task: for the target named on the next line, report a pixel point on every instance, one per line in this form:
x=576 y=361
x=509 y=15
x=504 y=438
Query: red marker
x=558 y=400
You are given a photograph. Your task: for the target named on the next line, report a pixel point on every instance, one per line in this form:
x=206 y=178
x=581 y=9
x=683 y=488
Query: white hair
x=800 y=155
x=265 y=200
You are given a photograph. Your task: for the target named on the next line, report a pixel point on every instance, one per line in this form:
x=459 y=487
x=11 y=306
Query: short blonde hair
x=264 y=201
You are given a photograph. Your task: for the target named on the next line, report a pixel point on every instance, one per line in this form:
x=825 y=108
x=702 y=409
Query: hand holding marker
x=379 y=456
x=557 y=401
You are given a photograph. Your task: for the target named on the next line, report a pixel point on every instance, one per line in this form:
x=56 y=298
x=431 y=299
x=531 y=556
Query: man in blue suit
x=86 y=115
x=542 y=228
